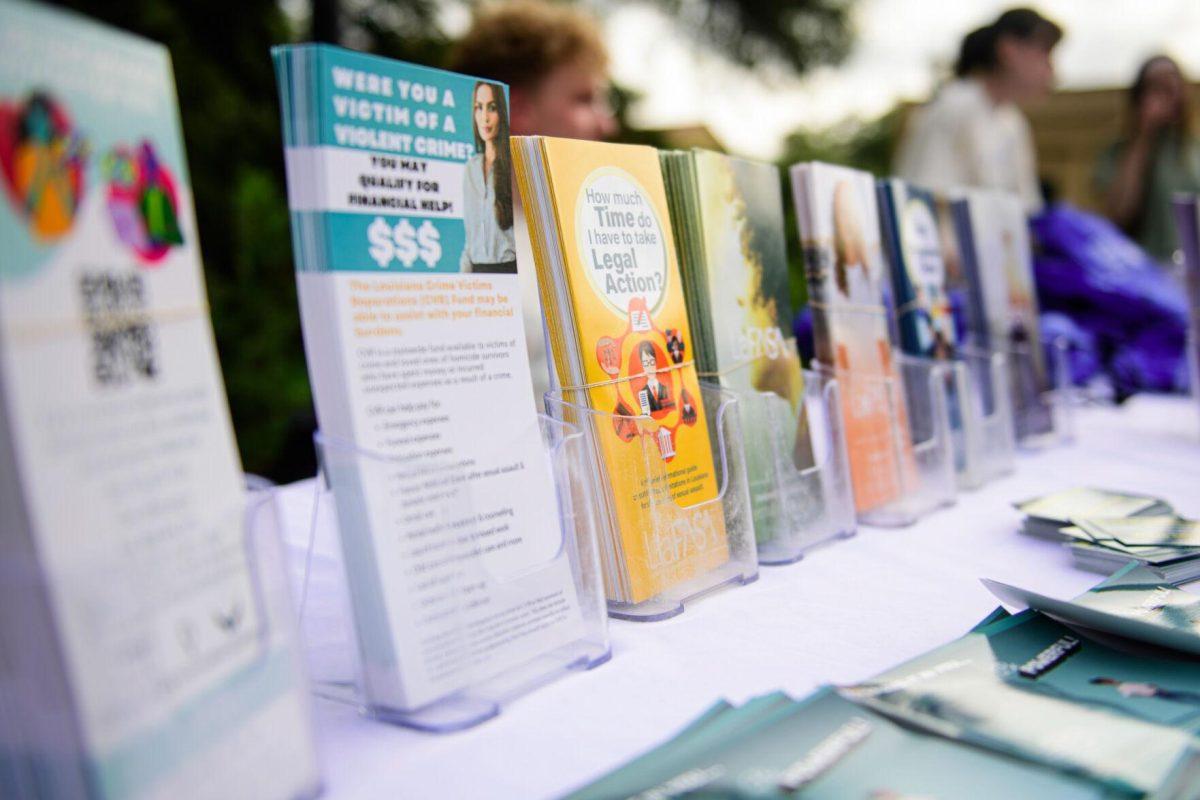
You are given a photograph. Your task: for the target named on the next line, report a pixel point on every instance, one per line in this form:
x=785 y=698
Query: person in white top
x=555 y=63
x=972 y=134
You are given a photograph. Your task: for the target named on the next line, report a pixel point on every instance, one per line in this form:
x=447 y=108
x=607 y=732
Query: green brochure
x=828 y=747
x=1033 y=688
x=823 y=747
x=728 y=221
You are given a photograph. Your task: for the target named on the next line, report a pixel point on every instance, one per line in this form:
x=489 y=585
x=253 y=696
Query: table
x=843 y=614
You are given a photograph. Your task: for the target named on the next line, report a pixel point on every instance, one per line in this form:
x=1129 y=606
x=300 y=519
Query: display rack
x=798 y=475
x=280 y=637
x=1194 y=356
x=920 y=476
x=661 y=521
x=981 y=417
x=1042 y=417
x=355 y=667
x=41 y=756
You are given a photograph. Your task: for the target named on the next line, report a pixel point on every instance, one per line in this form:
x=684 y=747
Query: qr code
x=122 y=336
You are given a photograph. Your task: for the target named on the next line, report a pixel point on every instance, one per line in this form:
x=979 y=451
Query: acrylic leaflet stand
x=35 y=763
x=483 y=687
x=267 y=558
x=804 y=506
x=665 y=527
x=981 y=417
x=1042 y=418
x=913 y=400
x=1193 y=346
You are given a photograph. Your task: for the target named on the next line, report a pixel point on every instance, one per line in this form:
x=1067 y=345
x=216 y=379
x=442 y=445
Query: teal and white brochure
x=141 y=655
x=400 y=190
x=1135 y=603
x=1033 y=688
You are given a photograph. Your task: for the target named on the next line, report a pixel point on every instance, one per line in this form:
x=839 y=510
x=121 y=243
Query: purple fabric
x=1135 y=314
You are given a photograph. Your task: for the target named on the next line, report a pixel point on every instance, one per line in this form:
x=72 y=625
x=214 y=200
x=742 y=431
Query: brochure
x=727 y=216
x=1033 y=688
x=140 y=645
x=918 y=270
x=1000 y=269
x=1135 y=603
x=839 y=230
x=622 y=345
x=822 y=747
x=399 y=184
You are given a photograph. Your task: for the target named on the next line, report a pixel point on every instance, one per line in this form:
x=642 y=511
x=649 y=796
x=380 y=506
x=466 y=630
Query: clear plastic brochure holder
x=37 y=761
x=1042 y=417
x=981 y=420
x=913 y=399
x=1193 y=346
x=667 y=526
x=799 y=477
x=465 y=573
x=279 y=633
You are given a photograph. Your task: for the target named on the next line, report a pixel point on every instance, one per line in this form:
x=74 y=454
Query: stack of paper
x=1169 y=544
x=1046 y=516
x=623 y=351
x=727 y=216
x=144 y=647
x=821 y=747
x=399 y=187
x=844 y=262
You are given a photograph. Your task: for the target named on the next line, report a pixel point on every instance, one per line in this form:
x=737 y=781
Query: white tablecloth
x=842 y=614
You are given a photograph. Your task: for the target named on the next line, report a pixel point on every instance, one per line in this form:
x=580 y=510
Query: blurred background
x=833 y=80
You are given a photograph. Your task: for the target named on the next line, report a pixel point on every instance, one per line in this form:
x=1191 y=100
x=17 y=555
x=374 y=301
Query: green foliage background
x=230 y=116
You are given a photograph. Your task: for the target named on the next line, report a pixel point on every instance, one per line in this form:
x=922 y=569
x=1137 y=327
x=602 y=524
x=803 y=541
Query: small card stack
x=1046 y=516
x=1169 y=544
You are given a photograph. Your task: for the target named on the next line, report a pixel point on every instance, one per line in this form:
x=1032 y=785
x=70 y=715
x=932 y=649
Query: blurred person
x=1158 y=155
x=972 y=135
x=555 y=63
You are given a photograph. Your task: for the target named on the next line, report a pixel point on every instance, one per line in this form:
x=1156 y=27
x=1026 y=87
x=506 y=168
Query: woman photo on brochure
x=487 y=187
